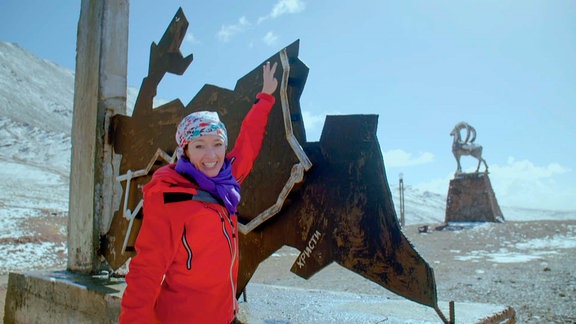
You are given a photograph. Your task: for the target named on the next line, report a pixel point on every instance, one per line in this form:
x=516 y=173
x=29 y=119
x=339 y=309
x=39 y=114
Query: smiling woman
x=206 y=154
x=186 y=264
x=202 y=139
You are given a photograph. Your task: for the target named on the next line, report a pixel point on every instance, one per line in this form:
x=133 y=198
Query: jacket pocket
x=188 y=250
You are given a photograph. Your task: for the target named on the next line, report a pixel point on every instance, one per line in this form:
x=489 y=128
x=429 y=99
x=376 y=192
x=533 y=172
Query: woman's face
x=207 y=154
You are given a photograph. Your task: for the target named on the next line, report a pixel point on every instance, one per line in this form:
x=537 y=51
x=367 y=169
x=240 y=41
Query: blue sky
x=505 y=67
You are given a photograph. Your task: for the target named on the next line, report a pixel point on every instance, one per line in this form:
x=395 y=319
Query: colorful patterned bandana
x=197 y=124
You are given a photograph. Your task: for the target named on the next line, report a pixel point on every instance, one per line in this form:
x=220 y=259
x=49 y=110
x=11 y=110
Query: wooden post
x=99 y=92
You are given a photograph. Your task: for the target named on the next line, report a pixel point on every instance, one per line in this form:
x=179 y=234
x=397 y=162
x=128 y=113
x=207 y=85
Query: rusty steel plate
x=146 y=139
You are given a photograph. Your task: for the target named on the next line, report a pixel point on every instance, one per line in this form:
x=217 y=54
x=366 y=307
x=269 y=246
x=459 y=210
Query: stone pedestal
x=471 y=199
x=62 y=297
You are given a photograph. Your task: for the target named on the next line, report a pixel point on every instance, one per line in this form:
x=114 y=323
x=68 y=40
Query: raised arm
x=249 y=141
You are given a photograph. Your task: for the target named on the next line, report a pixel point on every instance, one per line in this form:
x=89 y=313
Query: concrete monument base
x=471 y=199
x=64 y=297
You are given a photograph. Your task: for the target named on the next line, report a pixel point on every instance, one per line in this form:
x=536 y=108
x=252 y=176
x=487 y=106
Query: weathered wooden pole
x=99 y=92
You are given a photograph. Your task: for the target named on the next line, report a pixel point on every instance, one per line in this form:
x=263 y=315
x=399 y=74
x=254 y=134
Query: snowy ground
x=527 y=265
x=483 y=268
x=284 y=305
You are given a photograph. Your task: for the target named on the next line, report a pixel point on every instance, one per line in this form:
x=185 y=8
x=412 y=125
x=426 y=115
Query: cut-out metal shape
x=328 y=199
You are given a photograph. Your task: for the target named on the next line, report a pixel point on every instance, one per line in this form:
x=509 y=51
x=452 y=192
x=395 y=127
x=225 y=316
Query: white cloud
x=287 y=7
x=521 y=169
x=400 y=158
x=228 y=31
x=283 y=7
x=313 y=125
x=190 y=38
x=270 y=38
x=524 y=184
x=438 y=185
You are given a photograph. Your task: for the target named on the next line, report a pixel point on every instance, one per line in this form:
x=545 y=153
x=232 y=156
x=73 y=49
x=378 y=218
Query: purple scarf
x=222 y=186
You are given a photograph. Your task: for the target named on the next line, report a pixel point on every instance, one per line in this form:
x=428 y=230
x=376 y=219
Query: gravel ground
x=530 y=266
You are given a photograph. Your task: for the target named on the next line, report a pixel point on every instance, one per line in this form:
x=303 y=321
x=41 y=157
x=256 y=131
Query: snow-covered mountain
x=36 y=102
x=35 y=92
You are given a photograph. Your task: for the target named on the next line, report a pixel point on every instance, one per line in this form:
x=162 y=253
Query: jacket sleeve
x=155 y=246
x=249 y=141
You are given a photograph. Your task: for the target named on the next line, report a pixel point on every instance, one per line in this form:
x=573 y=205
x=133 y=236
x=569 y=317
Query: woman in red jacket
x=186 y=265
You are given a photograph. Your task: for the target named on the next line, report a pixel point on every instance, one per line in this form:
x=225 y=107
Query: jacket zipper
x=188 y=249
x=232 y=245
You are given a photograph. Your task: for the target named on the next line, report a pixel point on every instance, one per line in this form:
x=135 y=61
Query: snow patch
x=526 y=251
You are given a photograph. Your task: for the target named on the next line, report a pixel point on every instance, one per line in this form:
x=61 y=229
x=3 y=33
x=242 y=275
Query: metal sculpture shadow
x=340 y=209
x=466 y=147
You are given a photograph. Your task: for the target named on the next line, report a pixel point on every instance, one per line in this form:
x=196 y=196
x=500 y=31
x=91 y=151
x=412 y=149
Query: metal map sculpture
x=328 y=199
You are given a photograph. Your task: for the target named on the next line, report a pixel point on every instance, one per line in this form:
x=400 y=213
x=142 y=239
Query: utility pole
x=401 y=188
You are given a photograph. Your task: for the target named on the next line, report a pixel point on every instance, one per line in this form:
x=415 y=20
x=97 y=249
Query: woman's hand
x=270 y=83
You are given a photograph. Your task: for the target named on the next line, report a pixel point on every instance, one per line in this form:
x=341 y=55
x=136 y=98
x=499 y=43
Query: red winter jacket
x=186 y=266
